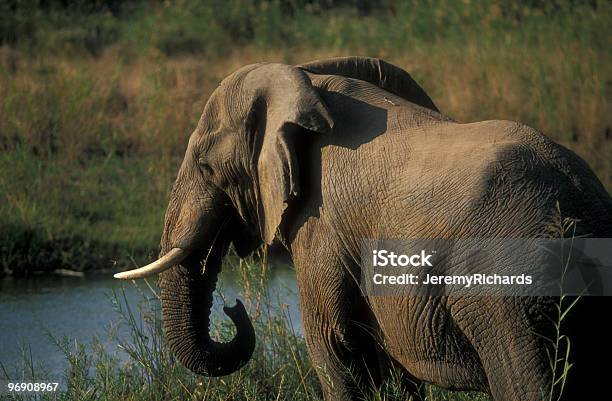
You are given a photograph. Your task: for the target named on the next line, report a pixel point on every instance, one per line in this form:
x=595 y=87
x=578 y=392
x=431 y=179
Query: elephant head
x=239 y=172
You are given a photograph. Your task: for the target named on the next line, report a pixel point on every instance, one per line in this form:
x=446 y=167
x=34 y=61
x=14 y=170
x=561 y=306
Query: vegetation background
x=98 y=98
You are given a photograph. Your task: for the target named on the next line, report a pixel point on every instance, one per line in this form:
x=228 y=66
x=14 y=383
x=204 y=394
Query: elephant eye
x=204 y=166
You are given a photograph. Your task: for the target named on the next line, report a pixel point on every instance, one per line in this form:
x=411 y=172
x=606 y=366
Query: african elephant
x=320 y=156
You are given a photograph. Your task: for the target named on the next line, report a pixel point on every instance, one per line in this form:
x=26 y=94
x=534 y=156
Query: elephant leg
x=512 y=351
x=403 y=383
x=336 y=326
x=518 y=374
x=350 y=362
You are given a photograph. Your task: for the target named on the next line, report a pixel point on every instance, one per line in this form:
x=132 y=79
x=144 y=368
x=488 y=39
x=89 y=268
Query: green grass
x=139 y=366
x=56 y=215
x=97 y=99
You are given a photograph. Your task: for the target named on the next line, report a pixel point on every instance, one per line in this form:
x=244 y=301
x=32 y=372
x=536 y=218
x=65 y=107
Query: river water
x=34 y=311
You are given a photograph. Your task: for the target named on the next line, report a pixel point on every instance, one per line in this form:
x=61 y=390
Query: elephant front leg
x=337 y=329
x=344 y=363
x=332 y=367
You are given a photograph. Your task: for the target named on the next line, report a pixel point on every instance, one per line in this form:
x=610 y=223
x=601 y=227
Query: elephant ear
x=375 y=71
x=286 y=109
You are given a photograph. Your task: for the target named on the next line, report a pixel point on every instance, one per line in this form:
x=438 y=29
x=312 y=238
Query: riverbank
x=98 y=100
x=112 y=347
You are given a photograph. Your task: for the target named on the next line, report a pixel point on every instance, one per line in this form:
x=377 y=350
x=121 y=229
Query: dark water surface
x=82 y=308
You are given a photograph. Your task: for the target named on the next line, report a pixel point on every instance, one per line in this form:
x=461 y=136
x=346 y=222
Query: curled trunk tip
x=187 y=298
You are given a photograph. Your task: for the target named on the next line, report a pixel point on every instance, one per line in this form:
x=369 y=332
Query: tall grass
x=138 y=366
x=97 y=99
x=558 y=344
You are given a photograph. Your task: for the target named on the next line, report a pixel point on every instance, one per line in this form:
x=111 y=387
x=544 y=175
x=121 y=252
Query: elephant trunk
x=187 y=298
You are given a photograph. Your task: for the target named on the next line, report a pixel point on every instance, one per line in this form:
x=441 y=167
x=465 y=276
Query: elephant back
x=375 y=71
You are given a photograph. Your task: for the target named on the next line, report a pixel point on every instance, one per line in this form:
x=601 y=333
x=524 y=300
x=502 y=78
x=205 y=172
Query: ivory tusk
x=174 y=257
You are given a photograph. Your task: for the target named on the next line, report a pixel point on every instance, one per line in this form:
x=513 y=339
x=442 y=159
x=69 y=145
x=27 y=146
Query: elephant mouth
x=187 y=283
x=174 y=257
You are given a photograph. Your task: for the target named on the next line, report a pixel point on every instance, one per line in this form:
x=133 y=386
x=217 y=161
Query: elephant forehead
x=239 y=74
x=227 y=103
x=224 y=108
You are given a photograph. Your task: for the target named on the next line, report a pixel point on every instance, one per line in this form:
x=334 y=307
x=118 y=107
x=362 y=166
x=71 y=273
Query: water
x=81 y=308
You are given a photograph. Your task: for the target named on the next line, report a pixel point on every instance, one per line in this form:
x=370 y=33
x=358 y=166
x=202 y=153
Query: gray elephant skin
x=323 y=155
